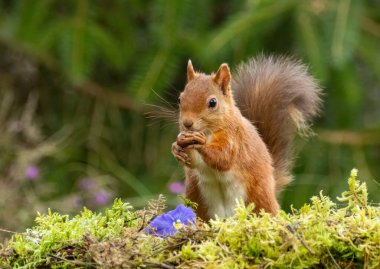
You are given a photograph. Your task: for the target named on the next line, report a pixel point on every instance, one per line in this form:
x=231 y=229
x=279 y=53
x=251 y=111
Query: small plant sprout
x=168 y=223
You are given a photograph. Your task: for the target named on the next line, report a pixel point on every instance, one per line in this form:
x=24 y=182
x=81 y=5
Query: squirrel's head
x=206 y=100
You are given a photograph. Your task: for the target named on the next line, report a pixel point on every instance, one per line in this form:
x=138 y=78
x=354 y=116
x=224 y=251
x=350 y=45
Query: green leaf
x=246 y=21
x=107 y=45
x=311 y=41
x=31 y=18
x=345 y=33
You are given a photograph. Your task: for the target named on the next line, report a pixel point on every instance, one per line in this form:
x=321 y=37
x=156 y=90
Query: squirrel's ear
x=190 y=71
x=223 y=78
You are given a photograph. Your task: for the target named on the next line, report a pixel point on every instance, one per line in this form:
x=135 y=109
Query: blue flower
x=168 y=223
x=162 y=225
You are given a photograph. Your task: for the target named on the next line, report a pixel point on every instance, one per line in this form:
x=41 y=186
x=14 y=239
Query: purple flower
x=168 y=223
x=177 y=187
x=86 y=183
x=101 y=197
x=78 y=201
x=16 y=126
x=32 y=173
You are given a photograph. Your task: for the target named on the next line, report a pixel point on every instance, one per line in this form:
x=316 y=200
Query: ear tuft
x=223 y=78
x=190 y=71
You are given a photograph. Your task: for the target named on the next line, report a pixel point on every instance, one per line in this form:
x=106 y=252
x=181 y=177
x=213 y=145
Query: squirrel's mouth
x=191 y=129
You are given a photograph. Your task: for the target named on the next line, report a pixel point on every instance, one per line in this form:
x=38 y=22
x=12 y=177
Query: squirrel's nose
x=187 y=123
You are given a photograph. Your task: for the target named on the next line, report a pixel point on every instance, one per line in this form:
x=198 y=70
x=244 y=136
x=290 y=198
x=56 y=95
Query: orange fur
x=228 y=156
x=193 y=194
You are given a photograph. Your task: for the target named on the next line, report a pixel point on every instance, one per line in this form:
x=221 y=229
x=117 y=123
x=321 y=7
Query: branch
x=90 y=88
x=159 y=265
x=291 y=230
x=349 y=137
x=114 y=98
x=370 y=26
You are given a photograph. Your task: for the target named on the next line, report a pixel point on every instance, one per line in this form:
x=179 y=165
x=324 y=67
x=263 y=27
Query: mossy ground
x=322 y=234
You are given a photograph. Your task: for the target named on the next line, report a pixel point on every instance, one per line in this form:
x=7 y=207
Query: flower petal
x=162 y=225
x=183 y=213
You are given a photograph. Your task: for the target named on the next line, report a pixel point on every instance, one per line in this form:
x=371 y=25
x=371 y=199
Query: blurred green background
x=77 y=79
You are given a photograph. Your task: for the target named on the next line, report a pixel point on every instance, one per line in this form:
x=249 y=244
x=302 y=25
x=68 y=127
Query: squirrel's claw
x=180 y=154
x=186 y=139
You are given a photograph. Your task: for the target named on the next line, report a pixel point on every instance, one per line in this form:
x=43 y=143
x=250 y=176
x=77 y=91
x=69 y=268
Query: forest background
x=77 y=79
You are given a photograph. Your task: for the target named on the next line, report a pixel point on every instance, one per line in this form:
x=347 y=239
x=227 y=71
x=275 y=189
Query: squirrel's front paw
x=180 y=154
x=191 y=138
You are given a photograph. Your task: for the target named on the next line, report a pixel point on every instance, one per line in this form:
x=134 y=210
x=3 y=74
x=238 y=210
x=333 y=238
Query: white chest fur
x=220 y=190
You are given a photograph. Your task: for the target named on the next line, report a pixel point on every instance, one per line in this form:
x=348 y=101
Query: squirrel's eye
x=212 y=103
x=179 y=100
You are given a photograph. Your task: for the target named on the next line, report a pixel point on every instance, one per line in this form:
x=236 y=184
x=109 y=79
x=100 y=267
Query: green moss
x=322 y=234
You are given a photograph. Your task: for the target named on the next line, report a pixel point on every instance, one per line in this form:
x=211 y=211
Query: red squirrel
x=237 y=131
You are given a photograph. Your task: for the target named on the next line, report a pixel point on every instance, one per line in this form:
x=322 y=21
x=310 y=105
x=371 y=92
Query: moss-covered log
x=322 y=234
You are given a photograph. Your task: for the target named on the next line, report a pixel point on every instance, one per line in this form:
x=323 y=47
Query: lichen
x=322 y=234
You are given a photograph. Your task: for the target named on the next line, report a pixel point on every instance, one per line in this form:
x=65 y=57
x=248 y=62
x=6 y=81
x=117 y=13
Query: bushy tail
x=279 y=97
